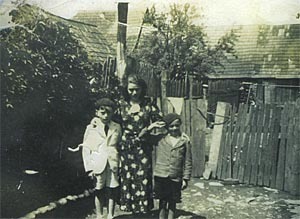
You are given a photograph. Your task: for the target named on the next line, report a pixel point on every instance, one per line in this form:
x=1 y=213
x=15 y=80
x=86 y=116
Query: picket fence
x=260 y=145
x=185 y=88
x=108 y=69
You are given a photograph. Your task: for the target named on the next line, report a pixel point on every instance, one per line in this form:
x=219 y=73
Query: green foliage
x=177 y=44
x=45 y=83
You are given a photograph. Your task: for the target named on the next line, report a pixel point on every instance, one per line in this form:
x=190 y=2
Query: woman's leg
x=171 y=208
x=162 y=209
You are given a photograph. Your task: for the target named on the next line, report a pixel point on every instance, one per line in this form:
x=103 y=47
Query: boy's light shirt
x=92 y=140
x=174 y=140
x=96 y=148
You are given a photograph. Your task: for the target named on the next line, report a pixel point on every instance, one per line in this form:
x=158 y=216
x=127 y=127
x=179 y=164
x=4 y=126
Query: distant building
x=267 y=66
x=268 y=61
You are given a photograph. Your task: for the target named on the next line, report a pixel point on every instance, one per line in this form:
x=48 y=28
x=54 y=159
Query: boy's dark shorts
x=167 y=189
x=109 y=193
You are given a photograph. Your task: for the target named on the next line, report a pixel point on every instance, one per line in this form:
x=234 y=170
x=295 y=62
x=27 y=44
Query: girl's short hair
x=134 y=79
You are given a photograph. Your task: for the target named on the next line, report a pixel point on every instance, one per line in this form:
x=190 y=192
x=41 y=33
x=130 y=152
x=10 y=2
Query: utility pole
x=121 y=38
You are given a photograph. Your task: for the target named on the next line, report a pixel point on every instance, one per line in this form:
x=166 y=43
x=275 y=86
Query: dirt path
x=207 y=200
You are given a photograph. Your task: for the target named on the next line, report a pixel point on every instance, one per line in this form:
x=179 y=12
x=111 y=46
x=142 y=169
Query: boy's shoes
x=103 y=217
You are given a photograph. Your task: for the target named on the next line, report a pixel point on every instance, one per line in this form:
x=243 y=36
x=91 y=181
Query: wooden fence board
x=245 y=146
x=268 y=148
x=198 y=136
x=234 y=129
x=250 y=150
x=229 y=149
x=257 y=145
x=294 y=176
x=187 y=104
x=274 y=147
x=263 y=155
x=215 y=155
x=183 y=117
x=218 y=172
x=240 y=129
x=282 y=147
x=202 y=105
x=223 y=155
x=289 y=147
x=233 y=136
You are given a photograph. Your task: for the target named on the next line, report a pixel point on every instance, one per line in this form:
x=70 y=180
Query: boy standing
x=173 y=165
x=100 y=156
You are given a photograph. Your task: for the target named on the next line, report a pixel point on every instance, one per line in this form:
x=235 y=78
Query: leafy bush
x=46 y=95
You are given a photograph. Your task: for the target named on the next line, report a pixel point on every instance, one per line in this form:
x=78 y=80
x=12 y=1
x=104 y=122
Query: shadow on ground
x=187 y=214
x=154 y=215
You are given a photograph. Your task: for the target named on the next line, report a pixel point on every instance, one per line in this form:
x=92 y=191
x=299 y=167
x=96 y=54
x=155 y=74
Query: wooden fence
x=107 y=70
x=152 y=79
x=260 y=146
x=184 y=88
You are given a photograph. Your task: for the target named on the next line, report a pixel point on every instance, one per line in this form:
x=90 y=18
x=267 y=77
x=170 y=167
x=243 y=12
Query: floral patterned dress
x=135 y=157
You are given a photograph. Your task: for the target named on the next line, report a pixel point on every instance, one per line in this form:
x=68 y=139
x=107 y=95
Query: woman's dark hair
x=134 y=79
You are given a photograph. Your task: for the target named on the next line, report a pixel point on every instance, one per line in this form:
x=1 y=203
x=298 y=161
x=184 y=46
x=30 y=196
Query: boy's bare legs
x=110 y=209
x=171 y=208
x=99 y=203
x=162 y=209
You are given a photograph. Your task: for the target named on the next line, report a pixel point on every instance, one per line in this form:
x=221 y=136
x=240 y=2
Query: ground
x=202 y=199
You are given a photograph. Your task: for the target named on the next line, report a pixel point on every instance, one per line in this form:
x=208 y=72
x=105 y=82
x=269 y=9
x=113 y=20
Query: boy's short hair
x=105 y=102
x=169 y=118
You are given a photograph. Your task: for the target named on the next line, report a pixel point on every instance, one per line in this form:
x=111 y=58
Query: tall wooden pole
x=121 y=38
x=164 y=100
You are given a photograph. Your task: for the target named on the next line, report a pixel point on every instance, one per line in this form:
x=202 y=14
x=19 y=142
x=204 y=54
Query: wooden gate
x=260 y=146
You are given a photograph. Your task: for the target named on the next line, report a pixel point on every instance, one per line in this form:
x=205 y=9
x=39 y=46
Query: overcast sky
x=216 y=12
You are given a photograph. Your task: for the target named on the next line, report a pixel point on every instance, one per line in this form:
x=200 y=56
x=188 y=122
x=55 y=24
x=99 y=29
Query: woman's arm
x=155 y=113
x=146 y=135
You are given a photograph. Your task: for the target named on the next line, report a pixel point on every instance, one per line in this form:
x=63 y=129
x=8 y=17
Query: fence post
x=121 y=38
x=211 y=166
x=198 y=127
x=164 y=101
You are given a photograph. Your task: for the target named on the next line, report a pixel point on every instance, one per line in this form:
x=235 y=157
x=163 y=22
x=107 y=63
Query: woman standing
x=137 y=112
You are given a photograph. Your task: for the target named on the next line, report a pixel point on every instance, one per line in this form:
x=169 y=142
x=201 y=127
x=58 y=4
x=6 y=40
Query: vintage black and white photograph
x=157 y=109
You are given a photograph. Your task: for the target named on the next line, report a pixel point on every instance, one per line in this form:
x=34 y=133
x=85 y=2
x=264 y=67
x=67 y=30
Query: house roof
x=107 y=20
x=90 y=36
x=263 y=51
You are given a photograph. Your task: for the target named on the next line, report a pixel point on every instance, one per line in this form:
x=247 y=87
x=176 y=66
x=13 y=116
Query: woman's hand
x=157 y=124
x=144 y=131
